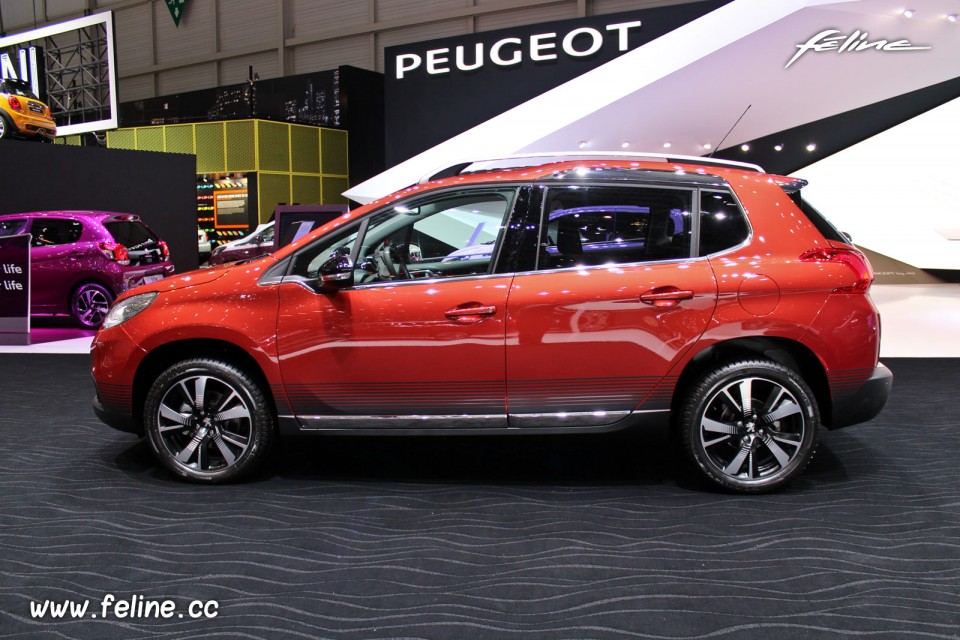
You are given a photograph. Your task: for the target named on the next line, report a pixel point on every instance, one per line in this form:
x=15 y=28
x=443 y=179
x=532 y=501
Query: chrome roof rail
x=533 y=159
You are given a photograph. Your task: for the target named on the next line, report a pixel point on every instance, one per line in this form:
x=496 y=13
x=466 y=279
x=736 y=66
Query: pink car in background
x=82 y=260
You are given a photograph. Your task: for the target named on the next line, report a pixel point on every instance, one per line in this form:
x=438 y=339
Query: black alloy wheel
x=750 y=426
x=208 y=421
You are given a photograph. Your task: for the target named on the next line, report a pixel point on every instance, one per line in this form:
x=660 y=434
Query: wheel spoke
x=720 y=427
x=235 y=439
x=203 y=456
x=775 y=394
x=745 y=388
x=224 y=403
x=788 y=408
x=782 y=456
x=734 y=467
x=228 y=456
x=237 y=412
x=174 y=416
x=188 y=451
x=199 y=390
x=709 y=443
x=186 y=393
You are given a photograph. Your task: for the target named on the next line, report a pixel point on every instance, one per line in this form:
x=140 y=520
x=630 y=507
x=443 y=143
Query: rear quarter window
x=723 y=225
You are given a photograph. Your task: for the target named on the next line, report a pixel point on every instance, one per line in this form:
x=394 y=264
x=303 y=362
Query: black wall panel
x=159 y=187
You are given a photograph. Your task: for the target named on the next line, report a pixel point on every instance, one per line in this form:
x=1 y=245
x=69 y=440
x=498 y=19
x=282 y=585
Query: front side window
x=454 y=234
x=12 y=227
x=588 y=226
x=53 y=231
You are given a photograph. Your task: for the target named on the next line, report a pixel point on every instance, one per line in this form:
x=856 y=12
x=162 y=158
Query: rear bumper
x=866 y=402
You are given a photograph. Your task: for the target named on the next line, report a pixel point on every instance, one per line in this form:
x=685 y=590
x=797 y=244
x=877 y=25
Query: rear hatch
x=143 y=245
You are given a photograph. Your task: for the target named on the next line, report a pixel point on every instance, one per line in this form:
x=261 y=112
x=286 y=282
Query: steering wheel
x=390 y=265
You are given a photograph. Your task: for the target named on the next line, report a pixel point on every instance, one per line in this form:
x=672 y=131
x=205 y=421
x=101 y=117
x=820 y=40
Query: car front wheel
x=208 y=421
x=750 y=426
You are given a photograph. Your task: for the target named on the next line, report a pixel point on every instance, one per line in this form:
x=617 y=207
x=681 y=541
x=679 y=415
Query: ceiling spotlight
x=744 y=147
x=624 y=144
x=667 y=145
x=952 y=17
x=778 y=147
x=707 y=146
x=582 y=144
x=811 y=147
x=908 y=13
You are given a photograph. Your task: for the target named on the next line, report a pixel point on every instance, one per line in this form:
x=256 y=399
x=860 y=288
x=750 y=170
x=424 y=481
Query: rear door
x=615 y=299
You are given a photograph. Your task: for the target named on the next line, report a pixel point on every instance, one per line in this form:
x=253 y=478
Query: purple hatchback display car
x=82 y=260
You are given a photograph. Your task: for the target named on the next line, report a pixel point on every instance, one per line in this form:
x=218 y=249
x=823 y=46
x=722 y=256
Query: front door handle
x=470 y=312
x=665 y=296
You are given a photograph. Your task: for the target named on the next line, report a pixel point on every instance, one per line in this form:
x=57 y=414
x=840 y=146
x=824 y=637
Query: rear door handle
x=469 y=313
x=665 y=296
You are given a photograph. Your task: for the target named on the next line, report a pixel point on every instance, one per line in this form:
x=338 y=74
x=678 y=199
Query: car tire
x=6 y=129
x=90 y=303
x=750 y=426
x=208 y=421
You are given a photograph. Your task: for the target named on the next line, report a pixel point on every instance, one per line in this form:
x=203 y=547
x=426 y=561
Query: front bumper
x=117 y=420
x=866 y=402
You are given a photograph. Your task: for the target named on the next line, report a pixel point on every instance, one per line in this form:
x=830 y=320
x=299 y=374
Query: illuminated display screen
x=224 y=205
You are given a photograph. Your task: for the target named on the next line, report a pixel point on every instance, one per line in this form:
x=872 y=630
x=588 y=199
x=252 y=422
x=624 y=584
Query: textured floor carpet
x=577 y=537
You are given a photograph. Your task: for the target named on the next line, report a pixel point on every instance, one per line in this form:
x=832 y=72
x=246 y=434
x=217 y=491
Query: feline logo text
x=834 y=40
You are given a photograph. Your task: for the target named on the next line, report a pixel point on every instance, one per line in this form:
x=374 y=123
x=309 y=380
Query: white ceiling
x=690 y=86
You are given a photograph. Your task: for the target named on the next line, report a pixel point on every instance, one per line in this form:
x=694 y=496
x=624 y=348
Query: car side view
x=22 y=114
x=80 y=261
x=552 y=296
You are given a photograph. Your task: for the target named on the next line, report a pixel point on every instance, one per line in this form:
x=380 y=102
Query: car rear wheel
x=6 y=130
x=90 y=304
x=208 y=421
x=750 y=426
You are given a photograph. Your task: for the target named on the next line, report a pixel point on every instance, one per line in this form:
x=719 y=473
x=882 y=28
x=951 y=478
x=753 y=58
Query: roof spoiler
x=533 y=159
x=790 y=185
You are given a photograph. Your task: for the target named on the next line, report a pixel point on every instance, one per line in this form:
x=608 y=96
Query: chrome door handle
x=469 y=313
x=665 y=296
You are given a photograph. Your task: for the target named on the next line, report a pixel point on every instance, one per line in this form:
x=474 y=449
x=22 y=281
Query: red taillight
x=14 y=103
x=850 y=257
x=164 y=249
x=116 y=252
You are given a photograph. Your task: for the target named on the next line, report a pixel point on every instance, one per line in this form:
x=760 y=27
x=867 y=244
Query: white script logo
x=856 y=41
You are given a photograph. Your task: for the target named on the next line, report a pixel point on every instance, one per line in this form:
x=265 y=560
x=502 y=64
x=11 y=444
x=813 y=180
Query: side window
x=723 y=224
x=52 y=231
x=455 y=234
x=587 y=226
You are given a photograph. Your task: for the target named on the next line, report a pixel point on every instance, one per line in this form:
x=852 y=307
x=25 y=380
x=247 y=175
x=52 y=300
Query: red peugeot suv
x=567 y=297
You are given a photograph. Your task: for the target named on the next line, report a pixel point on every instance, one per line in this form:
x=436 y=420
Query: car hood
x=189 y=279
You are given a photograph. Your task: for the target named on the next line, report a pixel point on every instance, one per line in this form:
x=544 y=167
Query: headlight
x=127 y=308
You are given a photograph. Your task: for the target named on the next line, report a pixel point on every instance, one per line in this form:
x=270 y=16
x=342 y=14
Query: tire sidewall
x=700 y=398
x=261 y=423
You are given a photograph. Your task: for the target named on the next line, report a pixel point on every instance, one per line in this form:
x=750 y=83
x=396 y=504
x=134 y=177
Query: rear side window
x=53 y=231
x=130 y=233
x=588 y=226
x=12 y=227
x=723 y=224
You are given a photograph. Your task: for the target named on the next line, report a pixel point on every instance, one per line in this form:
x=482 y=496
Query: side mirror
x=336 y=272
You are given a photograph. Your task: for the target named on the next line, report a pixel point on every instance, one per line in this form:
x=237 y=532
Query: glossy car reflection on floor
x=567 y=297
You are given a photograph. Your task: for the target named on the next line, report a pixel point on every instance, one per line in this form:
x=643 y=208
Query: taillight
x=14 y=103
x=116 y=252
x=164 y=249
x=850 y=257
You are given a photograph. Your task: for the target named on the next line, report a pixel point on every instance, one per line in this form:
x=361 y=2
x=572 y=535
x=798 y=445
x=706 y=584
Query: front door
x=54 y=259
x=417 y=341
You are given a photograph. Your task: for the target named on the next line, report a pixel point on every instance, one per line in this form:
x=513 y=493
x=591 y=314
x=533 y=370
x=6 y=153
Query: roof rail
x=531 y=159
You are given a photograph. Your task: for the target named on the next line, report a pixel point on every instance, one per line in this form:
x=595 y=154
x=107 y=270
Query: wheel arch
x=170 y=353
x=784 y=351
